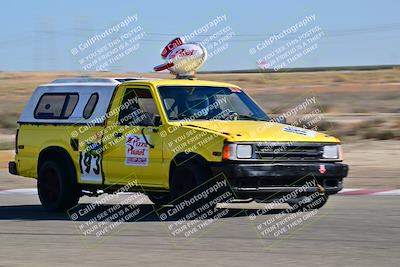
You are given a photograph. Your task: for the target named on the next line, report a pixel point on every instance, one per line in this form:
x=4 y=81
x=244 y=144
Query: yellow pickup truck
x=167 y=138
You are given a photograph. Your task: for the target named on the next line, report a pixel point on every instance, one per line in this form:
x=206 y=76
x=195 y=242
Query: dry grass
x=355 y=92
x=356 y=106
x=368 y=128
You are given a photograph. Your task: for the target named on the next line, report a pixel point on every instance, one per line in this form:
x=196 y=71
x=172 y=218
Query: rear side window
x=90 y=105
x=56 y=105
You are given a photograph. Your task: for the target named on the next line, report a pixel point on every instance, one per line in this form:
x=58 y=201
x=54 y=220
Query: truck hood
x=248 y=131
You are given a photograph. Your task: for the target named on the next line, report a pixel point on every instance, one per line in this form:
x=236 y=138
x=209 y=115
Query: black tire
x=57 y=187
x=159 y=199
x=188 y=180
x=316 y=204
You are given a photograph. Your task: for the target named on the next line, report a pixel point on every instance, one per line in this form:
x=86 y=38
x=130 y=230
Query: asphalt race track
x=348 y=231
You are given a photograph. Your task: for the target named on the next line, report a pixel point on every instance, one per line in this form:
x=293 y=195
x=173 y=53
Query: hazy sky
x=40 y=35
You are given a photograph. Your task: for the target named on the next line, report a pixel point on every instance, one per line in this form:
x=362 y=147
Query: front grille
x=288 y=152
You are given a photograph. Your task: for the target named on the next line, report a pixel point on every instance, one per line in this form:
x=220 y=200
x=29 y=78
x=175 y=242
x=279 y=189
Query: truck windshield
x=209 y=103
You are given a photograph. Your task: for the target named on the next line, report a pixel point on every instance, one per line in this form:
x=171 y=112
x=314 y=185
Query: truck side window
x=137 y=108
x=90 y=105
x=56 y=105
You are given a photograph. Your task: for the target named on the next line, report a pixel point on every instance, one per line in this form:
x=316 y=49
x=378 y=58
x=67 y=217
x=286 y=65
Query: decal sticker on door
x=136 y=150
x=90 y=163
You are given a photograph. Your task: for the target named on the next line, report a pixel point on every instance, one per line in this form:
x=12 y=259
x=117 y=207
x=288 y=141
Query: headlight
x=244 y=151
x=235 y=151
x=331 y=152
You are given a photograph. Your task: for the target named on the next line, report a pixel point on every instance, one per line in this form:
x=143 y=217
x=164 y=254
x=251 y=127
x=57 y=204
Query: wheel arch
x=182 y=157
x=60 y=155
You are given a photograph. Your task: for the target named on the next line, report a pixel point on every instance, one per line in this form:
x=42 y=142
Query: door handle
x=117 y=135
x=145 y=139
x=74 y=144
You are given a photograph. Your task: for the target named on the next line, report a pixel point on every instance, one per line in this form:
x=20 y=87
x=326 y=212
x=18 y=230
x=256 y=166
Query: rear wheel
x=57 y=188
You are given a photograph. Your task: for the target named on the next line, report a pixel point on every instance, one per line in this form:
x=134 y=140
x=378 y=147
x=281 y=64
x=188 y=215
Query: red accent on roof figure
x=181 y=58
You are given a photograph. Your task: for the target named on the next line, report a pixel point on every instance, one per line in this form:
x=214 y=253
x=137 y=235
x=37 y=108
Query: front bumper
x=260 y=180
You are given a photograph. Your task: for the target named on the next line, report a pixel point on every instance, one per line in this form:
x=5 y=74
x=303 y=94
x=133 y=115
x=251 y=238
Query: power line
x=235 y=37
x=378 y=28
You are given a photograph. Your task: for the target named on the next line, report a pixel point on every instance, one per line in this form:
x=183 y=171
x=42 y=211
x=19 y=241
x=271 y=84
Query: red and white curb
x=369 y=192
x=344 y=192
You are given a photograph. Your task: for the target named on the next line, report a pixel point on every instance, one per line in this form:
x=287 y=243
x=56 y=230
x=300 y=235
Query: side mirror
x=156 y=120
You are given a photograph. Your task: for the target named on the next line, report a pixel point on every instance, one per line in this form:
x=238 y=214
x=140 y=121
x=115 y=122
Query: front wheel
x=191 y=183
x=57 y=190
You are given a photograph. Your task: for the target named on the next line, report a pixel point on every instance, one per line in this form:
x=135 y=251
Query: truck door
x=132 y=144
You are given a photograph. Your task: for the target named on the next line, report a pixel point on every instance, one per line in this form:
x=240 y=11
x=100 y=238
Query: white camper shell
x=82 y=89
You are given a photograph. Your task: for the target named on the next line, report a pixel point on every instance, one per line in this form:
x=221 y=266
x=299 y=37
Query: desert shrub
x=8 y=121
x=379 y=134
x=7 y=145
x=326 y=125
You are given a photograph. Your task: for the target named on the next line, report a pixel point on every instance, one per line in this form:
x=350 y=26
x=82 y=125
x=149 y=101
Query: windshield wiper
x=240 y=116
x=193 y=117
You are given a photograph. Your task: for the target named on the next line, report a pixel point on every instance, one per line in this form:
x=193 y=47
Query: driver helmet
x=197 y=102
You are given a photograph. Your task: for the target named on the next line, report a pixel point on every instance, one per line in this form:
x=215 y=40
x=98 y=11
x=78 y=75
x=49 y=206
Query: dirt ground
x=373 y=164
x=360 y=107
